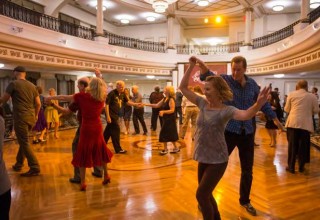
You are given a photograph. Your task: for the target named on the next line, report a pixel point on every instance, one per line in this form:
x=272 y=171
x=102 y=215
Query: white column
x=175 y=79
x=248 y=30
x=99 y=25
x=170 y=21
x=305 y=9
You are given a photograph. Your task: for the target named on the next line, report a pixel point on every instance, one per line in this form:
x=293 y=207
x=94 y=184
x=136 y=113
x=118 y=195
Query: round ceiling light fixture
x=150 y=18
x=124 y=21
x=203 y=3
x=278 y=8
x=1 y=65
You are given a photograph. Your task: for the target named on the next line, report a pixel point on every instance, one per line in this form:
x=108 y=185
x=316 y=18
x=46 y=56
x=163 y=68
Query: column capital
x=171 y=16
x=249 y=9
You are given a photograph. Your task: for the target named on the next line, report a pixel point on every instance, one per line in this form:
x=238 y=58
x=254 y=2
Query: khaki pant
x=190 y=113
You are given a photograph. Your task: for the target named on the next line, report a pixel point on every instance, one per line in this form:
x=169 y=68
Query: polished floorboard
x=145 y=185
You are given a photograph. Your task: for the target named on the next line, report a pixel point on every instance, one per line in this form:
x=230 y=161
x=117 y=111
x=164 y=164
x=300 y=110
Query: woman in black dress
x=168 y=132
x=271 y=127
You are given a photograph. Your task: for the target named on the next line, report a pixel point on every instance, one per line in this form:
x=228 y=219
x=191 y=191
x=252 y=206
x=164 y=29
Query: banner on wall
x=216 y=68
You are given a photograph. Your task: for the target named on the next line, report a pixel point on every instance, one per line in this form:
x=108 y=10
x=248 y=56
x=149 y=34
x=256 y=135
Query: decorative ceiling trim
x=303 y=60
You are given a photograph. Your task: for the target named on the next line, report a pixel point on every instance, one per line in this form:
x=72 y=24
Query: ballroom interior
x=148 y=43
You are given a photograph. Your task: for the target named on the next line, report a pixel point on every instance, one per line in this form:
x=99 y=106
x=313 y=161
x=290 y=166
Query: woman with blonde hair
x=92 y=149
x=211 y=150
x=168 y=132
x=51 y=114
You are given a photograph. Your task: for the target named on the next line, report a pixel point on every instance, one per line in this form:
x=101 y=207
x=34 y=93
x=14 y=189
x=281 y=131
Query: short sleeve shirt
x=210 y=144
x=23 y=94
x=114 y=101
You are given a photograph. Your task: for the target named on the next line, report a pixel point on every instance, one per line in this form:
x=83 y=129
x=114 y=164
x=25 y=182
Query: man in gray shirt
x=138 y=112
x=26 y=106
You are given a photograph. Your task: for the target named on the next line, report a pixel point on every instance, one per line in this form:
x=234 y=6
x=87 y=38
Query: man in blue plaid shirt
x=241 y=133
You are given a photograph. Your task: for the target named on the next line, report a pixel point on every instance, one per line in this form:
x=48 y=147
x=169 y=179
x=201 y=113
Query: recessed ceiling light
x=278 y=75
x=206 y=20
x=124 y=21
x=218 y=19
x=203 y=3
x=151 y=18
x=1 y=65
x=150 y=76
x=278 y=8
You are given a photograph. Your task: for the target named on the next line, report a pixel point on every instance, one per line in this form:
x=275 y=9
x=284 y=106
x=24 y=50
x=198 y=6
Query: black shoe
x=30 y=173
x=122 y=151
x=16 y=168
x=74 y=180
x=250 y=209
x=35 y=141
x=145 y=133
x=290 y=170
x=99 y=175
x=301 y=170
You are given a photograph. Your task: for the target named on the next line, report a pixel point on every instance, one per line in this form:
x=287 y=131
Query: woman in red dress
x=92 y=149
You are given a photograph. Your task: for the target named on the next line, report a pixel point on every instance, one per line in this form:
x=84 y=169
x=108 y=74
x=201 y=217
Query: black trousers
x=154 y=118
x=178 y=111
x=138 y=116
x=209 y=176
x=298 y=145
x=5 y=203
x=113 y=130
x=245 y=144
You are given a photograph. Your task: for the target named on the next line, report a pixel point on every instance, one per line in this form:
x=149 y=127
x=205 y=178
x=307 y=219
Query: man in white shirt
x=300 y=106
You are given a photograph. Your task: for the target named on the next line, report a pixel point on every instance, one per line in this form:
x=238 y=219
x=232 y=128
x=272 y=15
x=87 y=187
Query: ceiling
x=187 y=12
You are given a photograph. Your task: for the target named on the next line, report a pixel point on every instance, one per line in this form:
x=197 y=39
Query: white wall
x=85 y=17
x=151 y=31
x=271 y=23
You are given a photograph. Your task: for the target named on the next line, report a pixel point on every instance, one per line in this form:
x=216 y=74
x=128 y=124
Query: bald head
x=302 y=84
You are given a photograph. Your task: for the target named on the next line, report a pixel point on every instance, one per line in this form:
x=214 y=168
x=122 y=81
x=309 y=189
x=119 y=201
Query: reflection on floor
x=145 y=185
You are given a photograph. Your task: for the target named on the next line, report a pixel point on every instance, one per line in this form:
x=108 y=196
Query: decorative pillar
x=248 y=30
x=305 y=9
x=99 y=25
x=170 y=21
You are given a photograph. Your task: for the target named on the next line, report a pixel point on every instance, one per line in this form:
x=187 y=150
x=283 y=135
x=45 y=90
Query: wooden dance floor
x=145 y=185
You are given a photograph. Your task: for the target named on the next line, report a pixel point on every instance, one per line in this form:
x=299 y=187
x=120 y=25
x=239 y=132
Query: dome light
x=124 y=21
x=150 y=18
x=278 y=8
x=203 y=3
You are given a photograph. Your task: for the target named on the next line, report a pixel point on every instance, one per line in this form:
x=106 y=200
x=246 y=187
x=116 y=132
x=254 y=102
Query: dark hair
x=315 y=89
x=157 y=89
x=83 y=83
x=19 y=69
x=39 y=89
x=239 y=59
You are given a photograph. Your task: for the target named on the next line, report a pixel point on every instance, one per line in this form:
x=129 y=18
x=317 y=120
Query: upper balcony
x=36 y=39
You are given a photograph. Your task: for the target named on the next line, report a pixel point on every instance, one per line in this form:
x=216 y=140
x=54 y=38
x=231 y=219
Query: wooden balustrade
x=207 y=50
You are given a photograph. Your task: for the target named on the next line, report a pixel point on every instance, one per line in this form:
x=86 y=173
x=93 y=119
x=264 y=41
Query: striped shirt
x=243 y=98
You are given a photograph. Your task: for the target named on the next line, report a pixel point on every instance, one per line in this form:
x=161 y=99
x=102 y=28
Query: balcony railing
x=26 y=15
x=274 y=37
x=314 y=15
x=209 y=50
x=122 y=41
x=20 y=13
